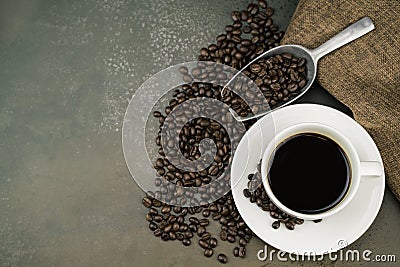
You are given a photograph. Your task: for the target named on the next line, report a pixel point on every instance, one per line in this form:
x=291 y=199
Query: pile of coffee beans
x=184 y=223
x=251 y=33
x=280 y=77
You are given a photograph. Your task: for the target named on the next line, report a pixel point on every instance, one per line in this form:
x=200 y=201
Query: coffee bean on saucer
x=246 y=192
x=299 y=221
x=289 y=225
x=276 y=224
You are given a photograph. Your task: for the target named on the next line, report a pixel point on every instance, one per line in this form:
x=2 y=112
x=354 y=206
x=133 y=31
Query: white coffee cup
x=358 y=169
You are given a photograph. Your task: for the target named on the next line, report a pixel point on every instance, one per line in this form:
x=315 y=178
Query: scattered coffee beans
x=251 y=33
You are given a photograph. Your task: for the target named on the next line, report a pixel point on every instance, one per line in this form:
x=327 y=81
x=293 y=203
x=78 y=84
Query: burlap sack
x=364 y=75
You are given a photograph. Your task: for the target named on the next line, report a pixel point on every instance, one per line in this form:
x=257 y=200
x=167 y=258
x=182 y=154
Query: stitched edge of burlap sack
x=364 y=75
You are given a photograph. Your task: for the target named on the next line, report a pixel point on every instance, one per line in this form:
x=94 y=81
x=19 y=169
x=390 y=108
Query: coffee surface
x=309 y=173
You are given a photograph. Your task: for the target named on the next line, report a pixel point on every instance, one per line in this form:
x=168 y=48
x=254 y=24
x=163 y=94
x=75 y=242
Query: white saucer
x=334 y=232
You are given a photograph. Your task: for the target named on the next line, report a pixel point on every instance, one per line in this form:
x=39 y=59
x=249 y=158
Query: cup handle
x=370 y=169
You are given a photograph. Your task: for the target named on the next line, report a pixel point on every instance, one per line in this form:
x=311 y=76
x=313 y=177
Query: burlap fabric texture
x=365 y=74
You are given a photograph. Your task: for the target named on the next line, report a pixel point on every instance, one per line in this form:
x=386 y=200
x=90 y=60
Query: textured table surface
x=67 y=71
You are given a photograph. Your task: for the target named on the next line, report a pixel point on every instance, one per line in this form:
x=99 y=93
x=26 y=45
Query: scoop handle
x=354 y=31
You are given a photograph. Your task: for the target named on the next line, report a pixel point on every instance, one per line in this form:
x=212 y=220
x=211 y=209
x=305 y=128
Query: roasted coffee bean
x=225 y=212
x=158 y=232
x=180 y=219
x=317 y=221
x=223 y=235
x=276 y=224
x=175 y=227
x=206 y=236
x=236 y=252
x=153 y=226
x=186 y=78
x=203 y=243
x=208 y=252
x=166 y=209
x=147 y=202
x=290 y=225
x=235 y=15
x=292 y=87
x=183 y=70
x=158 y=218
x=193 y=227
x=242 y=252
x=222 y=258
x=242 y=242
x=172 y=219
x=232 y=231
x=231 y=238
x=165 y=237
x=172 y=236
x=201 y=230
x=298 y=221
x=180 y=236
x=157 y=114
x=183 y=227
x=168 y=228
x=262 y=4
x=194 y=220
x=188 y=234
x=204 y=222
x=223 y=220
x=206 y=213
x=186 y=242
x=195 y=73
x=149 y=217
x=217 y=216
x=213 y=242
x=302 y=83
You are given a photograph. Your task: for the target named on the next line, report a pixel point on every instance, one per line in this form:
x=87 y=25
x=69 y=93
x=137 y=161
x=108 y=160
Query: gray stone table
x=67 y=71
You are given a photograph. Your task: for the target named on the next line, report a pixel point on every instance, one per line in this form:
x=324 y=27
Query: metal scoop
x=312 y=56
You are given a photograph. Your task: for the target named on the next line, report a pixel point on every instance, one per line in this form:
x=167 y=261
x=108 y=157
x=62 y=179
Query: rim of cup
x=329 y=132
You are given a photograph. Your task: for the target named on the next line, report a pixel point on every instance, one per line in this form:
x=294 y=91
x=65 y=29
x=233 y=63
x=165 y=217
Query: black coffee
x=310 y=173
